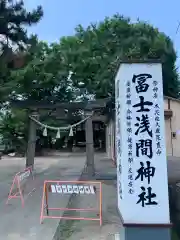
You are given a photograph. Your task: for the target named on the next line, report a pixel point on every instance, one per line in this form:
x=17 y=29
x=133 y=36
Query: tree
x=14 y=45
x=14 y=39
x=44 y=77
x=14 y=129
x=13 y=18
x=94 y=53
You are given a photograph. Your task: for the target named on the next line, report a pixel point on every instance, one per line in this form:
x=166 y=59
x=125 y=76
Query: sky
x=62 y=16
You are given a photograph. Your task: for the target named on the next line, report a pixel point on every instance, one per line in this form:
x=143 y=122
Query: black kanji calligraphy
x=120 y=168
x=144 y=147
x=157 y=112
x=158 y=137
x=128 y=95
x=130 y=146
x=157 y=130
x=130 y=184
x=155 y=89
x=158 y=144
x=128 y=102
x=129 y=130
x=141 y=81
x=129 y=111
x=128 y=90
x=129 y=140
x=130 y=160
x=129 y=117
x=118 y=126
x=117 y=87
x=143 y=125
x=118 y=108
x=145 y=172
x=158 y=152
x=128 y=84
x=146 y=198
x=120 y=190
x=130 y=177
x=119 y=146
x=130 y=153
x=128 y=123
x=157 y=119
x=155 y=95
x=155 y=83
x=142 y=105
x=131 y=191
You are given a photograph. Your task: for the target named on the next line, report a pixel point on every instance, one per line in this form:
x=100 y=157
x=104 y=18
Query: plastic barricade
x=54 y=191
x=22 y=185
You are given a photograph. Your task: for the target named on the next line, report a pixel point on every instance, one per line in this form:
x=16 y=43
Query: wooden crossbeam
x=28 y=104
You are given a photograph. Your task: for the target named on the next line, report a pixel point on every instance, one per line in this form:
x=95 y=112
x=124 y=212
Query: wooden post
x=89 y=145
x=31 y=147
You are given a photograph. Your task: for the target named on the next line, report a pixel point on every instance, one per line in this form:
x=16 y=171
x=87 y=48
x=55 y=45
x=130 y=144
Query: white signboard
x=24 y=175
x=78 y=189
x=140 y=144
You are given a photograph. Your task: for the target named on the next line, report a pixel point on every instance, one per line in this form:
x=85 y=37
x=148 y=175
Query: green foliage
x=14 y=129
x=94 y=53
x=14 y=39
x=174 y=235
x=14 y=43
x=13 y=18
x=93 y=56
x=43 y=78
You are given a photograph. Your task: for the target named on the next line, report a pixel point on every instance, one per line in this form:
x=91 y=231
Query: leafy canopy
x=13 y=18
x=14 y=40
x=93 y=53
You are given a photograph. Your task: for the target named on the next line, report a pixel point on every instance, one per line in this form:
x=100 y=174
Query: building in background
x=172 y=129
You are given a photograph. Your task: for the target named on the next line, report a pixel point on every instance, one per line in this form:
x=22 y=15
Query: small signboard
x=21 y=184
x=140 y=144
x=77 y=188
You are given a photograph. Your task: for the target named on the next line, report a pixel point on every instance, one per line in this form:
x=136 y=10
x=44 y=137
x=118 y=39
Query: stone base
x=145 y=233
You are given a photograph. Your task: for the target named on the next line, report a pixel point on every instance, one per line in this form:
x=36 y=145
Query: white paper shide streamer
x=58 y=135
x=45 y=132
x=71 y=132
x=58 y=129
